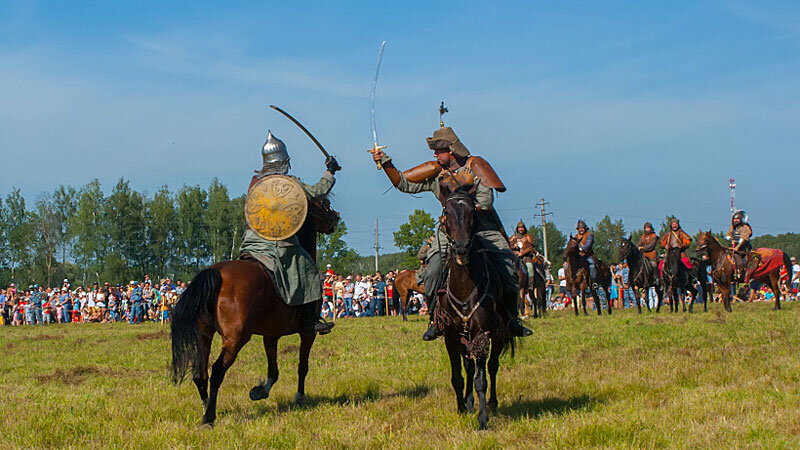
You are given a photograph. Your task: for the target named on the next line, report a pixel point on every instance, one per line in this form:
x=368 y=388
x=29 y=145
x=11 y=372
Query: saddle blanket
x=762 y=262
x=686 y=262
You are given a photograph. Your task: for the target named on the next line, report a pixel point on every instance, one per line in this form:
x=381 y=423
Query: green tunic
x=293 y=271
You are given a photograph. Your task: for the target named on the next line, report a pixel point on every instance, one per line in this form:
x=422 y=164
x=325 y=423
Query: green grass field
x=703 y=380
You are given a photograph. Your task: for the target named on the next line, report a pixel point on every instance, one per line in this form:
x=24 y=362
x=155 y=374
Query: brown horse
x=469 y=315
x=642 y=274
x=577 y=275
x=404 y=284
x=723 y=269
x=237 y=299
x=536 y=290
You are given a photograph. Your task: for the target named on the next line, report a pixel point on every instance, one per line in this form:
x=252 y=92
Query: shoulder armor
x=422 y=172
x=481 y=168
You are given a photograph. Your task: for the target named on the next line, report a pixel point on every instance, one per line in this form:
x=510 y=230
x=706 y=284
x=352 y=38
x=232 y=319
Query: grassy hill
x=702 y=380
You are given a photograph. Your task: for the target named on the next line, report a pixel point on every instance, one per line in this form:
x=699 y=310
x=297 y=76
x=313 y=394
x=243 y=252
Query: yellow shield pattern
x=276 y=207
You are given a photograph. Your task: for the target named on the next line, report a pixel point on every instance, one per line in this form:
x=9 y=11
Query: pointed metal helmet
x=581 y=224
x=275 y=156
x=741 y=215
x=521 y=224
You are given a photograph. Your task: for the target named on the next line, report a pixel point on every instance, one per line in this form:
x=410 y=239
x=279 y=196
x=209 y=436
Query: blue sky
x=632 y=109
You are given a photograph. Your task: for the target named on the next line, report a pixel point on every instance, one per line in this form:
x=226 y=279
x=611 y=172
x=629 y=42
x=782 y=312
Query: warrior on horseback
x=677 y=238
x=647 y=243
x=290 y=267
x=586 y=248
x=452 y=159
x=521 y=244
x=739 y=235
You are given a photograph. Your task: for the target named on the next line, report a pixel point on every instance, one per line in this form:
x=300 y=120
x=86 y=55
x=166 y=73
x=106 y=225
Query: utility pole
x=544 y=215
x=732 y=187
x=376 y=245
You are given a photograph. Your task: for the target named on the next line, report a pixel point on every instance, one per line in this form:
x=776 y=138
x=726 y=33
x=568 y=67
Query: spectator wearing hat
x=795 y=275
x=137 y=303
x=349 y=290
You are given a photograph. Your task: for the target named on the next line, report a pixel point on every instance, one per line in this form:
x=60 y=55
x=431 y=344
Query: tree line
x=88 y=236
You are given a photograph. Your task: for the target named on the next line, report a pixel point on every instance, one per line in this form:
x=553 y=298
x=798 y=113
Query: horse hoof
x=207 y=425
x=492 y=406
x=299 y=399
x=258 y=393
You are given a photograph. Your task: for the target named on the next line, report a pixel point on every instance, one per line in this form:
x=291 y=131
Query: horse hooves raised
x=258 y=393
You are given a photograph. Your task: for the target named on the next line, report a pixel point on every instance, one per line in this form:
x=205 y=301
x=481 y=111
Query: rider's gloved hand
x=332 y=165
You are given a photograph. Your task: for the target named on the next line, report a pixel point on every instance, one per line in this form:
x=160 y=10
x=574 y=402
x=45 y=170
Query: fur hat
x=445 y=137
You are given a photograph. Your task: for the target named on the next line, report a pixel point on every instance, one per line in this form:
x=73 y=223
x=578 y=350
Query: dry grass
x=702 y=380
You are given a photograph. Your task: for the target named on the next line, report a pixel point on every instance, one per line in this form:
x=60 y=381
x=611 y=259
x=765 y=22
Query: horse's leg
x=494 y=364
x=469 y=396
x=403 y=299
x=574 y=299
x=583 y=300
x=636 y=294
x=597 y=304
x=261 y=391
x=456 y=379
x=200 y=378
x=773 y=282
x=725 y=289
x=608 y=296
x=231 y=345
x=480 y=388
x=306 y=341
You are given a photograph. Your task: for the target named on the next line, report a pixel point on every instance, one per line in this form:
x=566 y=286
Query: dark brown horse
x=578 y=279
x=405 y=283
x=723 y=269
x=469 y=313
x=676 y=280
x=642 y=273
x=535 y=289
x=237 y=299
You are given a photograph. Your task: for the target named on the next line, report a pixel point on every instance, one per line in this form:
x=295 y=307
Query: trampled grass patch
x=700 y=380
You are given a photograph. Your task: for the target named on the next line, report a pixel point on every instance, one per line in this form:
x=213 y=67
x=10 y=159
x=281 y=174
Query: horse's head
x=459 y=219
x=323 y=216
x=703 y=240
x=625 y=248
x=572 y=246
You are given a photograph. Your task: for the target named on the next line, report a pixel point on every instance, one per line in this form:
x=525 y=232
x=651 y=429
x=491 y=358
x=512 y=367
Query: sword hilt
x=374 y=149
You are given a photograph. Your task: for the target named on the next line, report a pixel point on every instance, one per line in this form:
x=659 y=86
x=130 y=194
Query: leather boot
x=312 y=323
x=431 y=333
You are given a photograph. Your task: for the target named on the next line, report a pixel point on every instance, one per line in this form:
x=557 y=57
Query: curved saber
x=375 y=146
x=308 y=133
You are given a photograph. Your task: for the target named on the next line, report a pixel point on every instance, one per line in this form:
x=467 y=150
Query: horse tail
x=787 y=262
x=191 y=305
x=395 y=296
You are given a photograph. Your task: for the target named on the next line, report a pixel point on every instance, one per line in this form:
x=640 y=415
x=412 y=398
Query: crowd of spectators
x=358 y=295
x=134 y=302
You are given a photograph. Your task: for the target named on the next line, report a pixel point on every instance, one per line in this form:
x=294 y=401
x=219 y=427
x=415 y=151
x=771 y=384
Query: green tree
x=46 y=228
x=412 y=234
x=90 y=245
x=333 y=250
x=237 y=224
x=65 y=203
x=124 y=221
x=556 y=243
x=192 y=236
x=19 y=231
x=607 y=234
x=788 y=242
x=218 y=221
x=161 y=223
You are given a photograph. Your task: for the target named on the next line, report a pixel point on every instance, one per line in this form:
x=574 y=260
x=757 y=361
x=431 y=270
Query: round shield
x=276 y=207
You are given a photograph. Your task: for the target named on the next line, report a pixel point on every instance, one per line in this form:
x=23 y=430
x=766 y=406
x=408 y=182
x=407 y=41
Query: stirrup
x=322 y=326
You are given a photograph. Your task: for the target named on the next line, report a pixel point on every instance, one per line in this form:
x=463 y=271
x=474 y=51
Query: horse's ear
x=570 y=236
x=630 y=237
